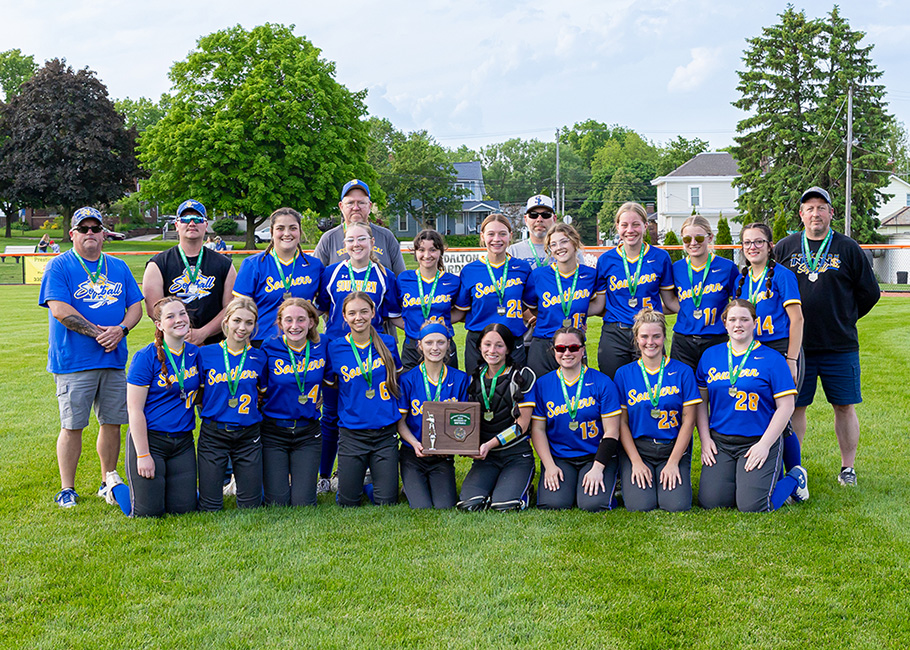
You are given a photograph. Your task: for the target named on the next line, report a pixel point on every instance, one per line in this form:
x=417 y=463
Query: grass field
x=830 y=573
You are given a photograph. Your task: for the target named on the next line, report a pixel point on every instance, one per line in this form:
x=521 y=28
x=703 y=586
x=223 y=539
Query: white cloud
x=705 y=60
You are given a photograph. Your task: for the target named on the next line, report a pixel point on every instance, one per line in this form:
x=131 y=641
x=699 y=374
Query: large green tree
x=143 y=112
x=257 y=121
x=678 y=151
x=15 y=69
x=794 y=87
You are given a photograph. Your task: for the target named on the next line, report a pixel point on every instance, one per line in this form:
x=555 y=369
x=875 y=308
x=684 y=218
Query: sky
x=475 y=72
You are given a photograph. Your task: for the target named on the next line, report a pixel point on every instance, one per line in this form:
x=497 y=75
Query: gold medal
x=370 y=393
x=573 y=425
x=698 y=313
x=566 y=322
x=732 y=391
x=633 y=302
x=501 y=310
x=655 y=413
x=233 y=402
x=302 y=399
x=488 y=416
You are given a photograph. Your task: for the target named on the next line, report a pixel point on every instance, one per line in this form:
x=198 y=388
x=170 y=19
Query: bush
x=724 y=236
x=49 y=224
x=225 y=227
x=23 y=226
x=670 y=239
x=462 y=241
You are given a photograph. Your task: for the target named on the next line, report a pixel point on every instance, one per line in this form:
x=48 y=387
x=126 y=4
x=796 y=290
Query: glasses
x=557 y=245
x=351 y=204
x=755 y=243
x=362 y=239
x=85 y=229
x=192 y=219
x=540 y=215
x=572 y=347
x=687 y=239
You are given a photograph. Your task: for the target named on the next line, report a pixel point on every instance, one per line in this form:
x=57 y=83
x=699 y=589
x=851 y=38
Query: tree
x=898 y=148
x=677 y=152
x=670 y=239
x=257 y=121
x=779 y=229
x=15 y=69
x=724 y=237
x=67 y=144
x=142 y=113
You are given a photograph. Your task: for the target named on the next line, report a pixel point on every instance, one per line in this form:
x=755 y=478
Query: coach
x=837 y=288
x=94 y=301
x=355 y=206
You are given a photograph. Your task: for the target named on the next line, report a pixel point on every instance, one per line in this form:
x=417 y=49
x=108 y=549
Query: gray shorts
x=78 y=392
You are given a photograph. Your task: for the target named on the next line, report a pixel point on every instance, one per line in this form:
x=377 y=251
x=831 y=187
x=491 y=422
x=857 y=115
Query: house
x=703 y=184
x=894 y=218
x=474 y=209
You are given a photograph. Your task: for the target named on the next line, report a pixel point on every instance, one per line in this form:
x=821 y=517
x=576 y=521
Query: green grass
x=830 y=573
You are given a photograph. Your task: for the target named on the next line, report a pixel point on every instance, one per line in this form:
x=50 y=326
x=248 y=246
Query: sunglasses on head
x=687 y=239
x=192 y=219
x=85 y=229
x=572 y=347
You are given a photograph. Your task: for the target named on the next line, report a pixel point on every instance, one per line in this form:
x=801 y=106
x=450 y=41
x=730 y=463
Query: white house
x=894 y=214
x=704 y=183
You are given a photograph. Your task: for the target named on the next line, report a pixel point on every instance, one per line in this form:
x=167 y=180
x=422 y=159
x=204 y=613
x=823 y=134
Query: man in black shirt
x=837 y=287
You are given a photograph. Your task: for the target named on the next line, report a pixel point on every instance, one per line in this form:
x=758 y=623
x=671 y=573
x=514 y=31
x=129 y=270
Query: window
x=694 y=196
x=402 y=222
x=459 y=186
x=908 y=200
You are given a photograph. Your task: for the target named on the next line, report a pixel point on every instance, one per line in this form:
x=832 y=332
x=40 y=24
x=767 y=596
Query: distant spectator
x=220 y=246
x=43 y=244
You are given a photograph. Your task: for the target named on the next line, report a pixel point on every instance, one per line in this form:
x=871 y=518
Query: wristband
x=143 y=456
x=606 y=450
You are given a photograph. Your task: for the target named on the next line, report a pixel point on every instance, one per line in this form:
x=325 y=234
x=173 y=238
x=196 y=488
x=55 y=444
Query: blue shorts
x=839 y=372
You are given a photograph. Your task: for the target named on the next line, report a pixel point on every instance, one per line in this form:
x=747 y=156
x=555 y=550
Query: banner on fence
x=34 y=268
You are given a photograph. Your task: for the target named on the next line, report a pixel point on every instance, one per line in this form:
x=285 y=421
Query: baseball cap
x=191 y=204
x=540 y=201
x=815 y=192
x=82 y=214
x=350 y=185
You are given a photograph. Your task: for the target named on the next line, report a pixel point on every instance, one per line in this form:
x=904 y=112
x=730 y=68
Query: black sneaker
x=847 y=477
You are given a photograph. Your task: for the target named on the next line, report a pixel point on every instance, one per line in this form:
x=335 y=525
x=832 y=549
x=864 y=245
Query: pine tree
x=779 y=229
x=724 y=237
x=670 y=239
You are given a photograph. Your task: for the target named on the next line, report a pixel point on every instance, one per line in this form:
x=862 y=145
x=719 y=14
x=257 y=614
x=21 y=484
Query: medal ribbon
x=93 y=277
x=368 y=369
x=813 y=262
x=753 y=294
x=572 y=404
x=426 y=382
x=698 y=292
x=632 y=279
x=232 y=385
x=426 y=304
x=359 y=285
x=653 y=393
x=290 y=278
x=192 y=272
x=483 y=392
x=301 y=385
x=170 y=357
x=537 y=259
x=735 y=370
x=565 y=303
x=501 y=285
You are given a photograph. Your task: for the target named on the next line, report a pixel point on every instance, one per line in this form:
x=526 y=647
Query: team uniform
x=367 y=418
x=170 y=421
x=381 y=285
x=230 y=425
x=773 y=324
x=691 y=335
x=429 y=482
x=737 y=423
x=441 y=303
x=268 y=282
x=330 y=249
x=291 y=434
x=573 y=450
x=615 y=348
x=543 y=293
x=655 y=437
x=478 y=296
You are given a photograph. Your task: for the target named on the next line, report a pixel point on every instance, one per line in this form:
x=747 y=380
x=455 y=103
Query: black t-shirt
x=203 y=298
x=845 y=291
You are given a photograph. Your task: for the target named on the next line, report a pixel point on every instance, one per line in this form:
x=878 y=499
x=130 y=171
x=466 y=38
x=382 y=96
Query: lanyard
x=813 y=262
x=426 y=304
x=653 y=393
x=170 y=357
x=232 y=385
x=192 y=272
x=537 y=259
x=285 y=281
x=633 y=279
x=501 y=285
x=301 y=384
x=359 y=286
x=93 y=277
x=572 y=404
x=483 y=392
x=566 y=303
x=753 y=294
x=698 y=292
x=736 y=370
x=368 y=369
x=426 y=382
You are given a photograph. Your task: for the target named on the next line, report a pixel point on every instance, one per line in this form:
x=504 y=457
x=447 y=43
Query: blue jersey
x=599 y=399
x=716 y=290
x=216 y=394
x=773 y=323
x=336 y=285
x=414 y=394
x=440 y=307
x=260 y=280
x=164 y=409
x=355 y=409
x=677 y=390
x=479 y=295
x=282 y=399
x=101 y=303
x=656 y=274
x=542 y=292
x=764 y=378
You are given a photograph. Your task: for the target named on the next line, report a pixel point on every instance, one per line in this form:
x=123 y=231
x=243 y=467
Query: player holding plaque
x=429 y=481
x=575 y=408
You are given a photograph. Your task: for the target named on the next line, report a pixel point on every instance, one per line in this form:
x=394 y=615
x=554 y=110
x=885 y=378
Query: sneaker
x=367 y=478
x=102 y=491
x=112 y=479
x=66 y=498
x=847 y=477
x=230 y=488
x=333 y=482
x=323 y=486
x=801 y=493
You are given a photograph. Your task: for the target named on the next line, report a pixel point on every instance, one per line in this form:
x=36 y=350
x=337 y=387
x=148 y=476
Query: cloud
x=705 y=60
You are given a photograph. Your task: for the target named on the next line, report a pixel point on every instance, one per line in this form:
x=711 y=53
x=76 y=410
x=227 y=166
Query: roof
x=468 y=171
x=899 y=218
x=480 y=206
x=717 y=163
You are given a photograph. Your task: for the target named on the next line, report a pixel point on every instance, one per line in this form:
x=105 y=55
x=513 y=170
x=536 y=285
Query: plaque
x=451 y=428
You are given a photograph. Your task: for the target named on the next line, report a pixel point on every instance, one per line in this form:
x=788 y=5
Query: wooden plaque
x=451 y=428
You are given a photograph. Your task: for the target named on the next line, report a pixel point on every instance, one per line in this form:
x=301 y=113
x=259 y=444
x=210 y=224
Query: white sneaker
x=323 y=486
x=333 y=483
x=802 y=483
x=111 y=479
x=230 y=489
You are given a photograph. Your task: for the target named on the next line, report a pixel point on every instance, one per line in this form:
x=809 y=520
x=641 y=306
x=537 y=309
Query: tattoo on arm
x=78 y=324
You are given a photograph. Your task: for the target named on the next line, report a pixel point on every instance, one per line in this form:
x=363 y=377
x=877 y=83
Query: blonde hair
x=387 y=359
x=568 y=231
x=648 y=316
x=631 y=206
x=373 y=257
x=312 y=333
x=697 y=221
x=238 y=303
x=496 y=217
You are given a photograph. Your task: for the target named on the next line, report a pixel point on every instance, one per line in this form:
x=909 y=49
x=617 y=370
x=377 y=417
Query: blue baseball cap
x=815 y=193
x=82 y=214
x=350 y=185
x=191 y=204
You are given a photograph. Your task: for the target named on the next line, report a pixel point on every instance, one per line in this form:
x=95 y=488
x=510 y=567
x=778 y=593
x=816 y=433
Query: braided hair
x=159 y=336
x=769 y=277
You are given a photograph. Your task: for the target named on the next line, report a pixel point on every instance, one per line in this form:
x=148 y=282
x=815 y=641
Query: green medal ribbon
x=426 y=304
x=192 y=272
x=501 y=285
x=572 y=404
x=632 y=279
x=698 y=292
x=170 y=357
x=93 y=277
x=736 y=370
x=653 y=393
x=359 y=285
x=368 y=369
x=285 y=281
x=483 y=392
x=753 y=293
x=426 y=382
x=235 y=383
x=539 y=261
x=813 y=262
x=566 y=304
x=301 y=384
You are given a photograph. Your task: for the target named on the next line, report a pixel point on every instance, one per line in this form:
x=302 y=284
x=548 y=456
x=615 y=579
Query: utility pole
x=849 y=197
x=556 y=196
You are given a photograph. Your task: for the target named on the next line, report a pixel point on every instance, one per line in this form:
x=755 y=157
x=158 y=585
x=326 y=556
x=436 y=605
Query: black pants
x=411 y=357
x=727 y=484
x=359 y=449
x=615 y=349
x=783 y=347
x=173 y=490
x=655 y=456
x=540 y=357
x=688 y=348
x=500 y=481
x=472 y=358
x=570 y=492
x=428 y=482
x=290 y=448
x=244 y=445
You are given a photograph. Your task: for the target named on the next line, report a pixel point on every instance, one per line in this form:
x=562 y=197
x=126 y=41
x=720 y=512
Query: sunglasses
x=541 y=215
x=86 y=229
x=192 y=220
x=687 y=239
x=572 y=347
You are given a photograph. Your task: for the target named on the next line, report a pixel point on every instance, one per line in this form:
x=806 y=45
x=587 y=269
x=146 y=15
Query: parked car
x=262 y=235
x=113 y=234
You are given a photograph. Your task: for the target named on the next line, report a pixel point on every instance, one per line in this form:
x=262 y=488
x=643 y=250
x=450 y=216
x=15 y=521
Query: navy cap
x=815 y=193
x=350 y=185
x=82 y=214
x=191 y=204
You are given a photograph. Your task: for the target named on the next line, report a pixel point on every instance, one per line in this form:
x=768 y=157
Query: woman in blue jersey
x=163 y=381
x=233 y=372
x=280 y=272
x=559 y=295
x=291 y=435
x=659 y=399
x=427 y=295
x=502 y=471
x=575 y=409
x=634 y=275
x=363 y=365
x=748 y=395
x=428 y=480
x=705 y=282
x=491 y=291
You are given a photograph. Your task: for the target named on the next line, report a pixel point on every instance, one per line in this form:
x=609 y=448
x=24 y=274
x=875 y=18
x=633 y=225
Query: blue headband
x=433 y=328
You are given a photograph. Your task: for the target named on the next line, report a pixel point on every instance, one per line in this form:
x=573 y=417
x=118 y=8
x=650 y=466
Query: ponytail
x=388 y=360
x=159 y=336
